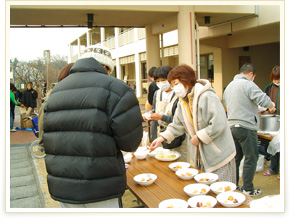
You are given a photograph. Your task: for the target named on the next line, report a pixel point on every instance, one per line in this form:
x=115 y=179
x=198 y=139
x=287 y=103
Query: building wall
x=264 y=57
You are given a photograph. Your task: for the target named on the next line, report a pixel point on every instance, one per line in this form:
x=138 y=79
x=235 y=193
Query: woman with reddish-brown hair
x=64 y=72
x=273 y=89
x=201 y=115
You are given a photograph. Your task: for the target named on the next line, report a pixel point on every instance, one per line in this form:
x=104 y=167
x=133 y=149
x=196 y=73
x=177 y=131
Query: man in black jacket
x=88 y=119
x=29 y=98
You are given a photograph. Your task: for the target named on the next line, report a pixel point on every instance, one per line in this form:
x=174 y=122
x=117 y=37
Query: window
x=207 y=67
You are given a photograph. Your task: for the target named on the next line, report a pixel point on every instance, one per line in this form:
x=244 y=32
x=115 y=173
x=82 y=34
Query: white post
x=79 y=48
x=117 y=31
x=89 y=38
x=70 y=55
x=118 y=69
x=102 y=35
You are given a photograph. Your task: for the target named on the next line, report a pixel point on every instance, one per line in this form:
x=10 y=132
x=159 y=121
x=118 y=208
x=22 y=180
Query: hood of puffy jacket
x=201 y=86
x=88 y=65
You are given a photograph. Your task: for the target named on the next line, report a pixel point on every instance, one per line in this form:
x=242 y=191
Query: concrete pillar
x=152 y=48
x=102 y=35
x=138 y=76
x=118 y=68
x=186 y=35
x=79 y=48
x=117 y=31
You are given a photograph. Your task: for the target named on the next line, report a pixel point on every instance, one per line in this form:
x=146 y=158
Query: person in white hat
x=88 y=119
x=102 y=54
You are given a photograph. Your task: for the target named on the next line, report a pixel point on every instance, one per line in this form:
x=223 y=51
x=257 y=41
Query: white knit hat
x=101 y=53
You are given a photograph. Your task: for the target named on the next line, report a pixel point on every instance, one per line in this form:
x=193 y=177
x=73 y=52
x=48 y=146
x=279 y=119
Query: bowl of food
x=206 y=178
x=173 y=203
x=141 y=149
x=145 y=179
x=231 y=199
x=186 y=174
x=202 y=201
x=127 y=157
x=179 y=166
x=219 y=187
x=168 y=156
x=196 y=189
x=140 y=155
x=158 y=150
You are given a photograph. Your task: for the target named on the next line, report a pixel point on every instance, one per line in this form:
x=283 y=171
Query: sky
x=29 y=43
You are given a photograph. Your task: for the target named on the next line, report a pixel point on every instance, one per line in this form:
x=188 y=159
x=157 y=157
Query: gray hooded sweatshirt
x=242 y=97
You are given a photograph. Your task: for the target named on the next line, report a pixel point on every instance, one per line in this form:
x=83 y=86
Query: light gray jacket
x=217 y=146
x=242 y=97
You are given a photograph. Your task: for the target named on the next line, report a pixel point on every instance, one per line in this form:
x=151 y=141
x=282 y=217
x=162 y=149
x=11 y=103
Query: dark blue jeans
x=11 y=120
x=246 y=142
x=263 y=151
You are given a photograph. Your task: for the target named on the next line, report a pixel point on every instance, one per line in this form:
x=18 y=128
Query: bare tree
x=36 y=70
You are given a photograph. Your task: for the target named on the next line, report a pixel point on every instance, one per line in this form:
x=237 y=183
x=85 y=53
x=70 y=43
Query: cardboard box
x=26 y=123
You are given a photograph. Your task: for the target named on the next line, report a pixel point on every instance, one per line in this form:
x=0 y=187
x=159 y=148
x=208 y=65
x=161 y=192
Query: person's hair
x=275 y=73
x=64 y=72
x=184 y=73
x=247 y=68
x=29 y=83
x=162 y=72
x=12 y=86
x=151 y=71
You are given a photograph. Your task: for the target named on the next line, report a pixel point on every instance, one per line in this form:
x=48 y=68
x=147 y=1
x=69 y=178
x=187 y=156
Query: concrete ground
x=28 y=186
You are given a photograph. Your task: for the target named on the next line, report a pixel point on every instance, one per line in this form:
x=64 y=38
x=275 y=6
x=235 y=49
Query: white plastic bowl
x=145 y=179
x=178 y=166
x=157 y=151
x=173 y=203
x=186 y=174
x=128 y=157
x=219 y=187
x=196 y=189
x=140 y=155
x=206 y=178
x=205 y=201
x=168 y=156
x=223 y=199
x=141 y=149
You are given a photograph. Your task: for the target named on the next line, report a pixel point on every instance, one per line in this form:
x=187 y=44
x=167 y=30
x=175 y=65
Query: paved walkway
x=25 y=189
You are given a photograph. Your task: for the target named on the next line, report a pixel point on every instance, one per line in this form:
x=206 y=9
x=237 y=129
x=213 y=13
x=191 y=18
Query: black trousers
x=246 y=142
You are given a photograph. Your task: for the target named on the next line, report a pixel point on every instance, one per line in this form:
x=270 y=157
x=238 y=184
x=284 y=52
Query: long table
x=166 y=186
x=265 y=136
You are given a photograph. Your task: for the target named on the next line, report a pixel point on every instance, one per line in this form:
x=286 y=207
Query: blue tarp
x=18 y=128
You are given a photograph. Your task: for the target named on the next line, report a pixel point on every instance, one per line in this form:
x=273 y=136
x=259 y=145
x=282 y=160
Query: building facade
x=214 y=40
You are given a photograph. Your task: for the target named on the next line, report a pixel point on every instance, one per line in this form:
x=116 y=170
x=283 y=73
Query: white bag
x=274 y=145
x=260 y=165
